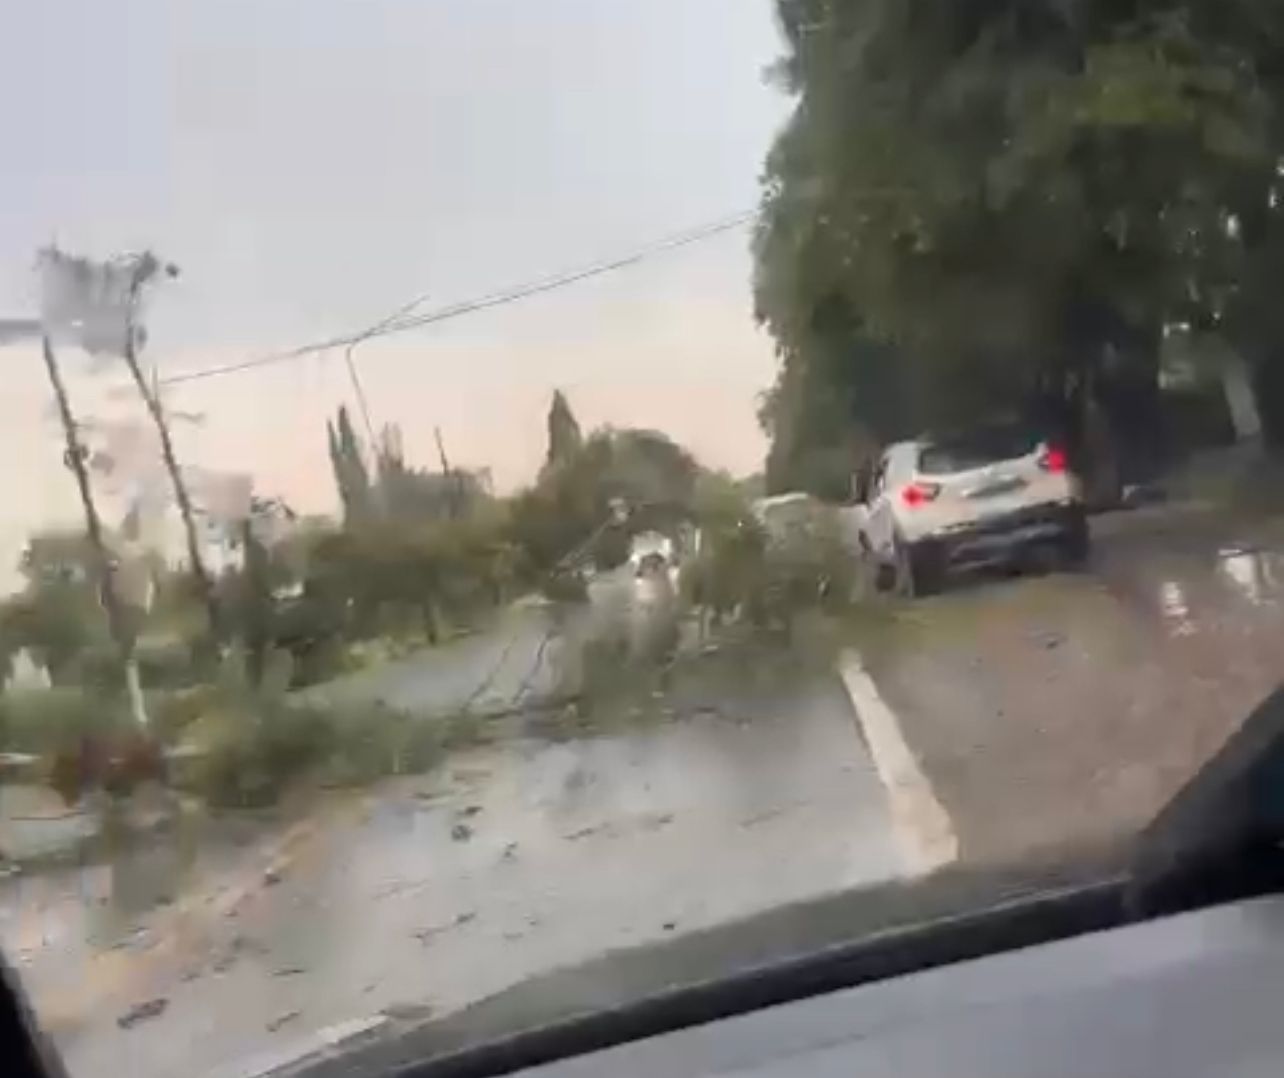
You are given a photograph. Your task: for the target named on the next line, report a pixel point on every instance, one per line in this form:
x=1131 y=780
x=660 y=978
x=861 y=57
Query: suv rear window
x=976 y=448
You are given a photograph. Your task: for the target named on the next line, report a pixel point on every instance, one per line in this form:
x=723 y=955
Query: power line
x=399 y=323
x=351 y=364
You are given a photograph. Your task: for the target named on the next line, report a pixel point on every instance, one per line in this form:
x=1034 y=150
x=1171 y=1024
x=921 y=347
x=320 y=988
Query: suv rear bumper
x=1000 y=539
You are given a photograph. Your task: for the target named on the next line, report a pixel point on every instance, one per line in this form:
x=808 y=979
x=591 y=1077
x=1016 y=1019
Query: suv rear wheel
x=1075 y=543
x=919 y=569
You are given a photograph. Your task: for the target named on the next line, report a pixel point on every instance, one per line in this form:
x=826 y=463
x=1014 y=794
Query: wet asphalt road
x=1066 y=709
x=510 y=860
x=1047 y=712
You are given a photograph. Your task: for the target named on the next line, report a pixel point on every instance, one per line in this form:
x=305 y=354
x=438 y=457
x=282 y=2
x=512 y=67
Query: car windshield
x=976 y=448
x=467 y=523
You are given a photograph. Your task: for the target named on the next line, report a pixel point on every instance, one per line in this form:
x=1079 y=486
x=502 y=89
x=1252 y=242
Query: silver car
x=992 y=494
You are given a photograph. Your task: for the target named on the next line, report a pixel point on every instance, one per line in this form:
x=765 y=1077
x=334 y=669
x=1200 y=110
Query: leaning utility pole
x=97 y=305
x=454 y=484
x=121 y=632
x=146 y=267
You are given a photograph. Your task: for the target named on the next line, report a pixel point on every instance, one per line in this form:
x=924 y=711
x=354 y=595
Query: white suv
x=987 y=495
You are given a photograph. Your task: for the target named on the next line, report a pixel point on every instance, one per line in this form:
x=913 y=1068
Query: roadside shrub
x=96 y=668
x=767 y=576
x=811 y=567
x=166 y=664
x=256 y=741
x=162 y=664
x=564 y=586
x=371 y=742
x=726 y=576
x=248 y=760
x=43 y=721
x=252 y=743
x=251 y=764
x=173 y=711
x=611 y=548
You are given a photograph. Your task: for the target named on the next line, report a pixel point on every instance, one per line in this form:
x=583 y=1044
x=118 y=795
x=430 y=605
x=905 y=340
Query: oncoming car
x=651 y=552
x=991 y=495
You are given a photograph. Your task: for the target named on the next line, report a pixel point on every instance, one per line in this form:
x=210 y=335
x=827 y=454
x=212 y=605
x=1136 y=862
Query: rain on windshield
x=492 y=487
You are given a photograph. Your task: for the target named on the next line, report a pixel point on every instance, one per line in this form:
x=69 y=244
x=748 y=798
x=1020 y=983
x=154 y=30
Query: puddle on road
x=1235 y=584
x=1054 y=710
x=1255 y=574
x=1172 y=604
x=1242 y=581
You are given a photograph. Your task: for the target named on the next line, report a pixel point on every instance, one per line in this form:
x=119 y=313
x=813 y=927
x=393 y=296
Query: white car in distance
x=993 y=494
x=650 y=552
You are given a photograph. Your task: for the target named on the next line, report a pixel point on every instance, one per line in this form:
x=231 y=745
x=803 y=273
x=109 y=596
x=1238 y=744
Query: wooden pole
x=147 y=266
x=456 y=490
x=151 y=400
x=120 y=631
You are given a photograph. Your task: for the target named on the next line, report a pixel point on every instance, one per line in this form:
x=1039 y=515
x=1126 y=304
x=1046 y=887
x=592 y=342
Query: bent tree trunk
x=122 y=632
x=151 y=401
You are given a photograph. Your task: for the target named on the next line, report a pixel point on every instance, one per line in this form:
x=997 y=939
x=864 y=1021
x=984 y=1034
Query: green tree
x=56 y=615
x=351 y=477
x=1014 y=197
x=407 y=493
x=564 y=436
x=571 y=507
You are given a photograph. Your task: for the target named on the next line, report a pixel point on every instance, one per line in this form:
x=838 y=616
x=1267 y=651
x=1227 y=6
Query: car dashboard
x=1193 y=993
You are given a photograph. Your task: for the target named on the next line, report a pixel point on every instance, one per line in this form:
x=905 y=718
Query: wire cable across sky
x=402 y=321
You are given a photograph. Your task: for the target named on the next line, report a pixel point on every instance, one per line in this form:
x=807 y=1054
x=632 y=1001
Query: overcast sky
x=312 y=165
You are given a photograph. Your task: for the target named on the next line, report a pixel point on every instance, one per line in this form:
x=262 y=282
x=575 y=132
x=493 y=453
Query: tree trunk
x=121 y=633
x=1268 y=390
x=134 y=692
x=1241 y=403
x=432 y=629
x=256 y=603
x=1098 y=453
x=154 y=409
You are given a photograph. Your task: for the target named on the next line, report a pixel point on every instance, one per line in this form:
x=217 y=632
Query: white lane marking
x=923 y=828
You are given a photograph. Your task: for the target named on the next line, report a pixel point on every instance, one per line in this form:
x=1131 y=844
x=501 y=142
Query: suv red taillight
x=919 y=493
x=1053 y=459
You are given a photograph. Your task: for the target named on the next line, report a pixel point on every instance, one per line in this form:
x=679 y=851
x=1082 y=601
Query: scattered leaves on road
x=1048 y=640
x=397 y=887
x=657 y=820
x=424 y=935
x=152 y=1008
x=282 y=1020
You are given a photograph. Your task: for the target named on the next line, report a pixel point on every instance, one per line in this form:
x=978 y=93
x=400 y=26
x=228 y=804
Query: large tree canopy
x=1011 y=196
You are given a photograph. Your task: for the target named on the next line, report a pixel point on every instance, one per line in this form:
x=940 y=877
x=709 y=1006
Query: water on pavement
x=1068 y=708
x=510 y=860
